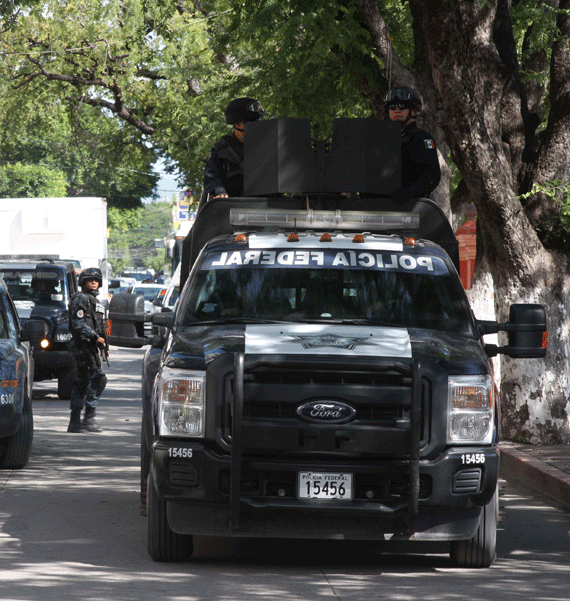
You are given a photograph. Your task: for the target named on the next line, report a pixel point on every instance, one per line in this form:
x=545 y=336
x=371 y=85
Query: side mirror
x=125 y=325
x=527 y=332
x=34 y=329
x=165 y=319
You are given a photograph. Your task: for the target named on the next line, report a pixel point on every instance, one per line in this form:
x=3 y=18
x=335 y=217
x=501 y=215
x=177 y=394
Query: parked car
x=150 y=292
x=17 y=367
x=165 y=303
x=119 y=285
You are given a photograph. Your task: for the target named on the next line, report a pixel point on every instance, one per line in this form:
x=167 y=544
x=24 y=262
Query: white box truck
x=71 y=229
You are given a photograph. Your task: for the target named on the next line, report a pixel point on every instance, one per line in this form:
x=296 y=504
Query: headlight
x=470 y=410
x=181 y=398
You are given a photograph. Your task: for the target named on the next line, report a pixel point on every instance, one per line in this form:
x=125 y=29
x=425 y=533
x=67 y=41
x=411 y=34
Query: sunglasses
x=397 y=106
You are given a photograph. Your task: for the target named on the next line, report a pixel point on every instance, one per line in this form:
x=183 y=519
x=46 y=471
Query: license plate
x=324 y=485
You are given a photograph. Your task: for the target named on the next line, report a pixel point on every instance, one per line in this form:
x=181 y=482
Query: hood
x=195 y=347
x=30 y=310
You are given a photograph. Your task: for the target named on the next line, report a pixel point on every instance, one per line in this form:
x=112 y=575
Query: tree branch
x=379 y=39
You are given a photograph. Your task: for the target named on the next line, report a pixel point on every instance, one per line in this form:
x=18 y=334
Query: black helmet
x=405 y=95
x=243 y=109
x=91 y=273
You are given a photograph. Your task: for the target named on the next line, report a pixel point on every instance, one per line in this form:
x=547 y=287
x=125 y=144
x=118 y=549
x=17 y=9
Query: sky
x=167 y=186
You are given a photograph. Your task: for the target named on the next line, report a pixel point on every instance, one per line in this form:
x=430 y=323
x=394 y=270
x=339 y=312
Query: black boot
x=74 y=422
x=89 y=422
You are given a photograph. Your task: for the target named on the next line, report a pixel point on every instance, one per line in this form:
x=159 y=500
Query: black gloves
x=403 y=195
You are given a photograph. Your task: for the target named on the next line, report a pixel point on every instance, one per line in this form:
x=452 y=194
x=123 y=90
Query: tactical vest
x=230 y=158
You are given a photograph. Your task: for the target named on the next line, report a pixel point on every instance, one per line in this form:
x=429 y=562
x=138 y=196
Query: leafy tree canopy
x=29 y=181
x=96 y=156
x=132 y=235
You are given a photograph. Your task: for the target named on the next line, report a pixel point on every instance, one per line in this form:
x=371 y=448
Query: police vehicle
x=41 y=288
x=322 y=376
x=17 y=367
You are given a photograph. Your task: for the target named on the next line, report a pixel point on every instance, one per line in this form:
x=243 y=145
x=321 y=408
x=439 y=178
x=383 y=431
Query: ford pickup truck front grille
x=292 y=444
x=272 y=395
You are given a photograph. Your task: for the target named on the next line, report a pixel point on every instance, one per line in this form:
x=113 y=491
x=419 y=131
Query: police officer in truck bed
x=224 y=168
x=420 y=166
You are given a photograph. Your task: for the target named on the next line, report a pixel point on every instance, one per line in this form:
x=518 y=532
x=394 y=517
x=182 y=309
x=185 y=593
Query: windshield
x=149 y=293
x=40 y=285
x=397 y=297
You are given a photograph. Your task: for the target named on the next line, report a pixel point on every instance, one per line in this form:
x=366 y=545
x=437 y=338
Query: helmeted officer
x=420 y=166
x=87 y=326
x=223 y=176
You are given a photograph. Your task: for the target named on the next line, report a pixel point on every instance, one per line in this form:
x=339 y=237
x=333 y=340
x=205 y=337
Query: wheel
x=145 y=468
x=15 y=449
x=65 y=382
x=163 y=543
x=481 y=550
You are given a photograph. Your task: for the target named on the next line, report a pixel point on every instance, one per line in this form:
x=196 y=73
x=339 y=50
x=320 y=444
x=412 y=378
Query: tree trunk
x=474 y=86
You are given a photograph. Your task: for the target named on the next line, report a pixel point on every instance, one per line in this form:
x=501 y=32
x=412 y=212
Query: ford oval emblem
x=331 y=412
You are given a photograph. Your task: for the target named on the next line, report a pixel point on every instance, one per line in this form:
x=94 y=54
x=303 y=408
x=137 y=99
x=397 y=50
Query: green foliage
x=556 y=231
x=282 y=46
x=399 y=20
x=31 y=181
x=97 y=155
x=168 y=69
x=132 y=233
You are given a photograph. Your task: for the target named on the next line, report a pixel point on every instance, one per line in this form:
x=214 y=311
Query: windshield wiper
x=226 y=320
x=345 y=321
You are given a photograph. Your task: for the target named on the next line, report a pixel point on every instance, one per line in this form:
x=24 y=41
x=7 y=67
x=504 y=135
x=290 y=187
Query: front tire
x=481 y=550
x=163 y=543
x=15 y=449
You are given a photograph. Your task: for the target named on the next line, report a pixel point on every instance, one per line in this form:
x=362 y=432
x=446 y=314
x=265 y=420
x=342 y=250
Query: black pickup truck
x=41 y=289
x=322 y=376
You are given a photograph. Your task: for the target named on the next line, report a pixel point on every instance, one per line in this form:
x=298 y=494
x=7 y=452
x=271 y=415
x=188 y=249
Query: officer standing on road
x=420 y=166
x=87 y=325
x=224 y=168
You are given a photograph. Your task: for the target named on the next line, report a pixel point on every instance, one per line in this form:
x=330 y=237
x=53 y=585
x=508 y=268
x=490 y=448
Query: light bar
x=328 y=220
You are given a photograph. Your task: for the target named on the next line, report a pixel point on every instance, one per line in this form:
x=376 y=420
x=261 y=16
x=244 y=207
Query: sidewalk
x=543 y=468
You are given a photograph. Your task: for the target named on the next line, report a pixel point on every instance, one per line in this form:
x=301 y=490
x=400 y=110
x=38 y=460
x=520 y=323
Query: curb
x=536 y=474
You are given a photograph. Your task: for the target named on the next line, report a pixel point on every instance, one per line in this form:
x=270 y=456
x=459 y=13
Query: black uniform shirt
x=420 y=165
x=224 y=168
x=86 y=319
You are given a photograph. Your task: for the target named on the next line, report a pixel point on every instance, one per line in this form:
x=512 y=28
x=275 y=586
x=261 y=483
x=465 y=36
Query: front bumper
x=197 y=485
x=51 y=360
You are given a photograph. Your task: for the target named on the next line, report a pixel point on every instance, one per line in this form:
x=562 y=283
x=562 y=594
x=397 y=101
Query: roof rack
x=422 y=219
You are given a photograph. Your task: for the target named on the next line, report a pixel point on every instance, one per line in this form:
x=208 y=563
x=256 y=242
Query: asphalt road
x=71 y=528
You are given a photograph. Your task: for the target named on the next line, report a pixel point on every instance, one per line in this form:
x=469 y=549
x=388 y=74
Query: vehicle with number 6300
x=17 y=367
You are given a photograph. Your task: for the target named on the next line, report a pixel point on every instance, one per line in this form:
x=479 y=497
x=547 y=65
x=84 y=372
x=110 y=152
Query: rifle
x=105 y=353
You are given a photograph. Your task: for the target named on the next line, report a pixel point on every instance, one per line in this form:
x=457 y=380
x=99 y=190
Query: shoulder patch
x=429 y=144
x=79 y=314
